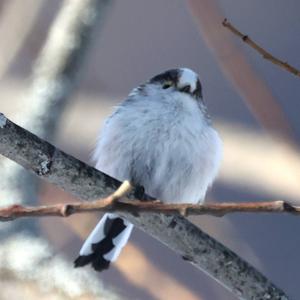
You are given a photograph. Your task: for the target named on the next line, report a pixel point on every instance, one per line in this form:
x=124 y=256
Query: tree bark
x=174 y=231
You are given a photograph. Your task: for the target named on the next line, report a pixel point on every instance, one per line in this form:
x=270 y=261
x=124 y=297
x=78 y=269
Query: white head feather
x=188 y=77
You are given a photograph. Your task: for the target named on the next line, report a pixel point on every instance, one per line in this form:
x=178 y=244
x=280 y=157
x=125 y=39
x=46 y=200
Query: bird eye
x=167 y=85
x=186 y=89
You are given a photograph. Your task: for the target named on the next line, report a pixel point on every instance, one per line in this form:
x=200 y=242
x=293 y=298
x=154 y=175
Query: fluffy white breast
x=162 y=140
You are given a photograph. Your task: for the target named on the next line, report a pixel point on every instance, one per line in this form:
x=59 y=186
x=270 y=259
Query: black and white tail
x=105 y=242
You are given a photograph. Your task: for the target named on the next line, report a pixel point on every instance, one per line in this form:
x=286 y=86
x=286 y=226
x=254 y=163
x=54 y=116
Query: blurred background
x=253 y=103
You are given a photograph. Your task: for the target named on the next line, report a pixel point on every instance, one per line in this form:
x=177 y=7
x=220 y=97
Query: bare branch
x=233 y=62
x=58 y=67
x=112 y=203
x=174 y=231
x=265 y=54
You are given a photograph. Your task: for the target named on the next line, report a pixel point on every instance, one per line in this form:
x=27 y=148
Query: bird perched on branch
x=160 y=138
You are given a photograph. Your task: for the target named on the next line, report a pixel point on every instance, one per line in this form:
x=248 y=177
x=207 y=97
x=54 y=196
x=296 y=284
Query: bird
x=162 y=140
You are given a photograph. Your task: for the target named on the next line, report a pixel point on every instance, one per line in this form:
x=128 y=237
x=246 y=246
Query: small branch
x=267 y=55
x=116 y=202
x=13 y=212
x=122 y=190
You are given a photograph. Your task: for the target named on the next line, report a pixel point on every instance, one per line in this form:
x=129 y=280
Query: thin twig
x=233 y=62
x=116 y=202
x=265 y=54
x=122 y=190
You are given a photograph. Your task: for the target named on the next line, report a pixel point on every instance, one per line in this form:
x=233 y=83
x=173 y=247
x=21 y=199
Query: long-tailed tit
x=160 y=138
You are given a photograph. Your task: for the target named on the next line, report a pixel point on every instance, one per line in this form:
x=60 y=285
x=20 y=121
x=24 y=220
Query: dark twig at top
x=265 y=54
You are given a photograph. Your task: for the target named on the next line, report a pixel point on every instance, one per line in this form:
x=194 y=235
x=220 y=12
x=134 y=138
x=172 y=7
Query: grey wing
x=112 y=154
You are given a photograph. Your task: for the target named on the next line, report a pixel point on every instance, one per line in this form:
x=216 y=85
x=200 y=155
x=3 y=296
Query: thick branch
x=265 y=54
x=174 y=231
x=112 y=203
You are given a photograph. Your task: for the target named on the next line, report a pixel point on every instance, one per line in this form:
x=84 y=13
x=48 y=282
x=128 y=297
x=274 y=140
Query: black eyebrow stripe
x=170 y=75
x=198 y=90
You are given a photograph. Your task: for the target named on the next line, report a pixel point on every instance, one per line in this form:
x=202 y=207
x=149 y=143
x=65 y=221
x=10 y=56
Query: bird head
x=182 y=80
